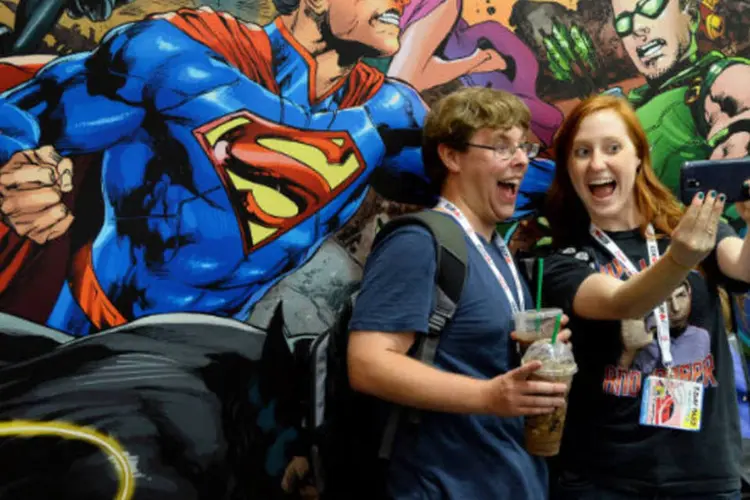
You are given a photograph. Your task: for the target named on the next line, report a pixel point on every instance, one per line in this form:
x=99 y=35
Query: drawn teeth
x=390 y=18
x=651 y=49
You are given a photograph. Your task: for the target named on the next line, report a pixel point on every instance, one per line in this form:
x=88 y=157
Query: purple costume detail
x=463 y=40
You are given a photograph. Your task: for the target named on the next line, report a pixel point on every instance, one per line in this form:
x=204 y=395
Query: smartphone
x=722 y=176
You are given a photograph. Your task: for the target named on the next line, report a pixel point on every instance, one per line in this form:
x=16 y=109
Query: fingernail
x=722 y=198
x=66 y=180
x=55 y=157
x=701 y=196
x=712 y=194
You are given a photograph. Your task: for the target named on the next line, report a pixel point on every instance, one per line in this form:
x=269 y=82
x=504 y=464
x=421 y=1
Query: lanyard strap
x=453 y=210
x=661 y=313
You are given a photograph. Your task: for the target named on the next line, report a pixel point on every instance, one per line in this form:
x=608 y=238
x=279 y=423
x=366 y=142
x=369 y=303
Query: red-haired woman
x=622 y=246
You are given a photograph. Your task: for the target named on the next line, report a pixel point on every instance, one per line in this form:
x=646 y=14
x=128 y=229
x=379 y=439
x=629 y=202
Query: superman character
x=192 y=160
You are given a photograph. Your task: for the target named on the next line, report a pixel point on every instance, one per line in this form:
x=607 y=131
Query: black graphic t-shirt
x=603 y=439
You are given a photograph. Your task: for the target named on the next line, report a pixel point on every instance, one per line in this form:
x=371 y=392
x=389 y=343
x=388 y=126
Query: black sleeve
x=563 y=273
x=711 y=264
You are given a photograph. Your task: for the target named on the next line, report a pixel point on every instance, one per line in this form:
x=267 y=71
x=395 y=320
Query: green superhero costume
x=673 y=115
x=672 y=112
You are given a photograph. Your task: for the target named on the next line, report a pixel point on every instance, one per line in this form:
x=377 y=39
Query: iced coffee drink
x=544 y=432
x=532 y=324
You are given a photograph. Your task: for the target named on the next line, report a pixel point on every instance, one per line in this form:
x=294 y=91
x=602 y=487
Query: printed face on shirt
x=679 y=307
x=372 y=25
x=490 y=172
x=603 y=165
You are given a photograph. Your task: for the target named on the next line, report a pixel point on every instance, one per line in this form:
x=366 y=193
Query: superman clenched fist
x=32 y=184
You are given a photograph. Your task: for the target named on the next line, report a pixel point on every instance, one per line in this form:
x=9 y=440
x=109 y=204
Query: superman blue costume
x=220 y=171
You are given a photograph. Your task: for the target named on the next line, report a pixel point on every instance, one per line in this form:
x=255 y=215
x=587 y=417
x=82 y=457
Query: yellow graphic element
x=338 y=141
x=478 y=11
x=714 y=26
x=711 y=4
x=693 y=420
x=333 y=173
x=259 y=233
x=660 y=390
x=270 y=201
x=108 y=445
x=213 y=136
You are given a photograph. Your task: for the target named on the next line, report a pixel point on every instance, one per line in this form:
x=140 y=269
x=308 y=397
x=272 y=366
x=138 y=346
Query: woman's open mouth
x=602 y=188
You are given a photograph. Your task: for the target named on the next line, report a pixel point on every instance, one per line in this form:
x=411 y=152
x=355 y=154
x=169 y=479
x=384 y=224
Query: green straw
x=557 y=329
x=539 y=285
x=539 y=295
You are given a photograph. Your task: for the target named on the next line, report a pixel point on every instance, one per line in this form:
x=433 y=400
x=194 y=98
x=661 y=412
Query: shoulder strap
x=450 y=248
x=452 y=256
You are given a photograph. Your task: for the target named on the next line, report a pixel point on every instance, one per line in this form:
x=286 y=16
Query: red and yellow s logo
x=277 y=176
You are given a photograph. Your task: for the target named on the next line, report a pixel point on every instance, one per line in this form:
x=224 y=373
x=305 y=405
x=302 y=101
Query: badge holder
x=672 y=403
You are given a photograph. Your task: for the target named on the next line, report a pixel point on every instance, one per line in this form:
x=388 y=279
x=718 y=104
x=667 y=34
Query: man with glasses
x=469 y=443
x=692 y=106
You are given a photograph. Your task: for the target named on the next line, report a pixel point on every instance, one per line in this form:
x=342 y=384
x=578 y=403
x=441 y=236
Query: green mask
x=648 y=8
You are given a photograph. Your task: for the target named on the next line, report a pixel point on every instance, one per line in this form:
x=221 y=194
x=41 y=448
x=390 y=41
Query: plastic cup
x=533 y=325
x=543 y=433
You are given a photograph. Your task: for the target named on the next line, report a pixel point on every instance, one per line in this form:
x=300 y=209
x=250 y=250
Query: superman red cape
x=31 y=275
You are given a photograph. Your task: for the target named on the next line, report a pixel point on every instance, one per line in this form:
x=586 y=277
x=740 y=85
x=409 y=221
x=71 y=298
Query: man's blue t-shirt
x=453 y=456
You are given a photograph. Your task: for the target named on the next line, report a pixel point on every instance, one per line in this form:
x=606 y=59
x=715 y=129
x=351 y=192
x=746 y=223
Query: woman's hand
x=695 y=235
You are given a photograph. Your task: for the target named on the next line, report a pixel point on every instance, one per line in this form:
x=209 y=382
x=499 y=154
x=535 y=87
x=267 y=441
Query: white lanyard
x=453 y=210
x=660 y=313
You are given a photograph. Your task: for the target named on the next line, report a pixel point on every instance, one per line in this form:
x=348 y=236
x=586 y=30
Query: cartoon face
x=490 y=180
x=655 y=33
x=603 y=165
x=373 y=24
x=679 y=306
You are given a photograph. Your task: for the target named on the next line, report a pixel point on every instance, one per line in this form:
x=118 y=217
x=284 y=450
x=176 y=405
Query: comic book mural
x=189 y=190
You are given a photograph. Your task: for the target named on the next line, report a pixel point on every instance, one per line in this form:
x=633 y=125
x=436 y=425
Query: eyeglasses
x=647 y=8
x=505 y=151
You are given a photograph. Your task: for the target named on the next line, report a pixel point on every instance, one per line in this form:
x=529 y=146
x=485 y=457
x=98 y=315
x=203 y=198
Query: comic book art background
x=549 y=53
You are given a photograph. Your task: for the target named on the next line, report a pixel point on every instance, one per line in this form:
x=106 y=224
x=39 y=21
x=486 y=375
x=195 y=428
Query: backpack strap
x=451 y=253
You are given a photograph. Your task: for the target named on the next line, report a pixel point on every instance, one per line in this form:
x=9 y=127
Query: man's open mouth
x=602 y=188
x=391 y=16
x=651 y=51
x=510 y=186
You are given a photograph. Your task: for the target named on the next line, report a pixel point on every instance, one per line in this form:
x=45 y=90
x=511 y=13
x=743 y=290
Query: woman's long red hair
x=567 y=216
